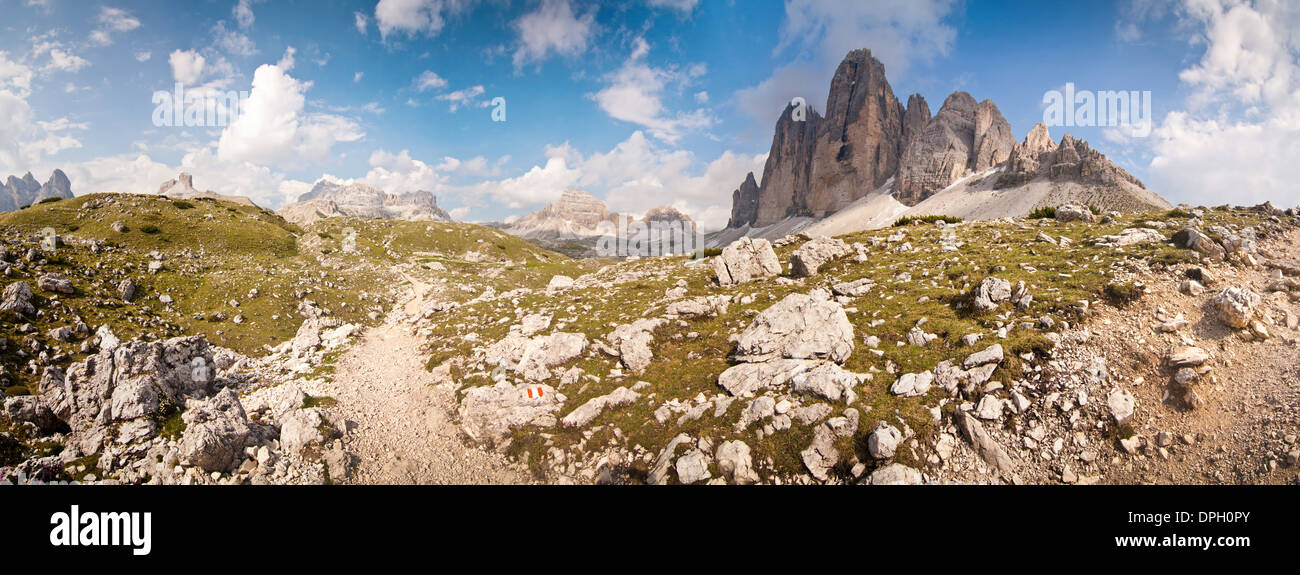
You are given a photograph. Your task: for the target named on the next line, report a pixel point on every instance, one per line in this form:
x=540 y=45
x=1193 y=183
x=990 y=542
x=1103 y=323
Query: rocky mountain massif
x=25 y=191
x=575 y=222
x=182 y=187
x=330 y=198
x=868 y=145
x=168 y=341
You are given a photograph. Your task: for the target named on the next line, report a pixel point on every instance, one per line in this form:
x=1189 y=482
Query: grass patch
x=1122 y=294
x=909 y=220
x=1043 y=213
x=150 y=229
x=324 y=402
x=49 y=200
x=182 y=205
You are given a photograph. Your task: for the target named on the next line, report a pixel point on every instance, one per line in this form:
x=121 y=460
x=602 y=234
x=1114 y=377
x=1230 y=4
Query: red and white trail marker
x=535 y=392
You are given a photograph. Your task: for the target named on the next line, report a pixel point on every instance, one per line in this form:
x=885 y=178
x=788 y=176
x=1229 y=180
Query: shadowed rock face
x=964 y=137
x=789 y=165
x=859 y=142
x=744 y=203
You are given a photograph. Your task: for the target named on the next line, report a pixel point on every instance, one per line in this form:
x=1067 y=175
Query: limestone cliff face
x=576 y=213
x=859 y=142
x=964 y=137
x=864 y=137
x=744 y=203
x=331 y=198
x=1071 y=160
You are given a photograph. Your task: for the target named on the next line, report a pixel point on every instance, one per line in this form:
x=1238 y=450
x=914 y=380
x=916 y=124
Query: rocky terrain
x=182 y=187
x=161 y=340
x=871 y=158
x=17 y=193
x=329 y=198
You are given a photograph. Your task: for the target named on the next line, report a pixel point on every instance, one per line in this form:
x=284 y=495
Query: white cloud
x=1238 y=140
x=233 y=41
x=683 y=6
x=634 y=94
x=412 y=17
x=187 y=66
x=360 y=21
x=552 y=28
x=65 y=62
x=272 y=128
x=357 y=77
x=636 y=174
x=243 y=12
x=143 y=56
x=141 y=174
x=14 y=76
x=398 y=173
x=286 y=62
x=428 y=80
x=466 y=97
x=111 y=21
x=822 y=32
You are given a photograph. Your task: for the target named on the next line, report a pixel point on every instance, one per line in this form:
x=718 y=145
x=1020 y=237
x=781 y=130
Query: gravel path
x=403 y=433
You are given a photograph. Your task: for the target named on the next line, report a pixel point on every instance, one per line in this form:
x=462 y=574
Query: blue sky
x=641 y=102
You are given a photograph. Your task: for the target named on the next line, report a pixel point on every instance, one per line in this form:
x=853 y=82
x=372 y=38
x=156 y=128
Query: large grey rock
x=1074 y=213
x=588 y=411
x=28 y=409
x=1121 y=404
x=736 y=463
x=746 y=259
x=129 y=381
x=1192 y=239
x=828 y=381
x=895 y=474
x=798 y=327
x=55 y=283
x=883 y=441
x=1236 y=306
x=984 y=445
x=991 y=293
x=821 y=456
x=632 y=341
x=990 y=354
x=692 y=467
x=305 y=432
x=18 y=299
x=809 y=258
x=216 y=430
x=489 y=413
x=746 y=378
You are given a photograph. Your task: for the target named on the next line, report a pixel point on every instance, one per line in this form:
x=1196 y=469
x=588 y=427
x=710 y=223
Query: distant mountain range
x=574 y=223
x=332 y=198
x=870 y=159
x=18 y=192
x=183 y=187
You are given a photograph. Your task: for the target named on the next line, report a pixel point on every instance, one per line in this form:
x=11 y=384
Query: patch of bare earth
x=403 y=432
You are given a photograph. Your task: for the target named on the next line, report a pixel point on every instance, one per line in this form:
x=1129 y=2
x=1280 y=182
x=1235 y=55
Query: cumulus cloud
x=243 y=13
x=634 y=176
x=141 y=174
x=413 y=17
x=112 y=21
x=360 y=20
x=821 y=32
x=233 y=41
x=23 y=139
x=634 y=94
x=429 y=80
x=552 y=28
x=1238 y=138
x=467 y=97
x=273 y=128
x=187 y=66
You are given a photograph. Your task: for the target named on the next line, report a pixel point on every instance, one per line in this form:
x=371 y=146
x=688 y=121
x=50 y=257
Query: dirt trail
x=403 y=432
